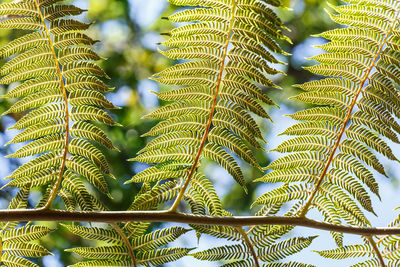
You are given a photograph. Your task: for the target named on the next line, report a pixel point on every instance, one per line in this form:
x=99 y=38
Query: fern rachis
x=65 y=98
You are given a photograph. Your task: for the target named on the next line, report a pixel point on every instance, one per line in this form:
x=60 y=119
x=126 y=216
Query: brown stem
x=24 y=215
x=346 y=121
x=210 y=116
x=249 y=245
x=126 y=242
x=65 y=98
x=376 y=251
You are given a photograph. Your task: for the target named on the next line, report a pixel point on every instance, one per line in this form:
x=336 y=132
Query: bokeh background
x=129 y=31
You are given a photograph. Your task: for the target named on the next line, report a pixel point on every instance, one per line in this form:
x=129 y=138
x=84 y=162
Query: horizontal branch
x=165 y=216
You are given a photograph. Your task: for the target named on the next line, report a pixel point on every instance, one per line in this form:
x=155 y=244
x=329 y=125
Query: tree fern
x=229 y=49
x=225 y=51
x=326 y=169
x=61 y=95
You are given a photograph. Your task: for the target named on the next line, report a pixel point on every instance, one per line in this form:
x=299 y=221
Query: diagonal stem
x=306 y=207
x=211 y=113
x=249 y=245
x=376 y=251
x=126 y=242
x=54 y=190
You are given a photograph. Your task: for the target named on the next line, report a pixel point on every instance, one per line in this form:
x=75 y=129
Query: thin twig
x=249 y=245
x=126 y=241
x=376 y=251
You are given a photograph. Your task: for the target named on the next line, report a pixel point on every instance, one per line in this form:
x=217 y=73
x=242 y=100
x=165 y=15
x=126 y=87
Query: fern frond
x=25 y=250
x=228 y=50
x=45 y=161
x=283 y=194
x=16 y=261
x=78 y=190
x=264 y=240
x=82 y=166
x=91 y=132
x=356 y=104
x=43 y=177
x=95 y=233
x=155 y=196
x=207 y=192
x=16 y=244
x=47 y=143
x=156 y=173
x=55 y=67
x=130 y=244
x=106 y=252
x=218 y=154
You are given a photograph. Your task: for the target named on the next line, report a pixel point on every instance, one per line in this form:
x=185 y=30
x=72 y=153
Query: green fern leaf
x=282 y=249
x=16 y=261
x=356 y=103
x=223 y=253
x=228 y=50
x=85 y=168
x=226 y=232
x=77 y=189
x=47 y=143
x=348 y=251
x=25 y=250
x=89 y=131
x=95 y=233
x=208 y=194
x=98 y=263
x=106 y=252
x=16 y=243
x=161 y=256
x=54 y=65
x=158 y=238
x=157 y=195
